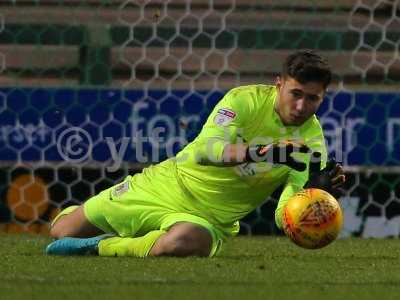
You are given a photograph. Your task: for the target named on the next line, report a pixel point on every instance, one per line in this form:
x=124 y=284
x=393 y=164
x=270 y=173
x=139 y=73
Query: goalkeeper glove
x=278 y=153
x=329 y=179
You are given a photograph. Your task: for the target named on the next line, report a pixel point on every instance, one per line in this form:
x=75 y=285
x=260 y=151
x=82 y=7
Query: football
x=312 y=218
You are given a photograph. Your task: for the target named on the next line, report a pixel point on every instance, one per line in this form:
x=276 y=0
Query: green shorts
x=136 y=207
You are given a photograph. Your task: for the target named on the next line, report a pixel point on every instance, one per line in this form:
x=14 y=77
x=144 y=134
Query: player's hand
x=330 y=179
x=278 y=153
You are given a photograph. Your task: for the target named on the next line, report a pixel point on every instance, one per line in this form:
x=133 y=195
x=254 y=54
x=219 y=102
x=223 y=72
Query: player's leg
x=172 y=234
x=160 y=226
x=111 y=211
x=179 y=234
x=73 y=223
x=182 y=239
x=67 y=227
x=87 y=220
x=142 y=222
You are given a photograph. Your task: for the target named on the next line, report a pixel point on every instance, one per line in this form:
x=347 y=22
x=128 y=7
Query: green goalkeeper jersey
x=227 y=193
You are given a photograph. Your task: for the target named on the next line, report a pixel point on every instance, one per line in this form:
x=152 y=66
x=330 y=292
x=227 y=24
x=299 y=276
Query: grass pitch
x=247 y=268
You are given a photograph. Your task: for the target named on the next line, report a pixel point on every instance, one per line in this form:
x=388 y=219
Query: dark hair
x=306 y=66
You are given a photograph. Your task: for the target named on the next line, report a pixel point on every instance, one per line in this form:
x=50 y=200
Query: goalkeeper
x=257 y=138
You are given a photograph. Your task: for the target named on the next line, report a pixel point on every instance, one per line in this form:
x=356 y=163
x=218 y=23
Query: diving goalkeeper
x=257 y=138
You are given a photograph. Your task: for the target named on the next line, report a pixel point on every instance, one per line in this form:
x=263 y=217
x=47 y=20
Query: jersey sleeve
x=296 y=179
x=223 y=126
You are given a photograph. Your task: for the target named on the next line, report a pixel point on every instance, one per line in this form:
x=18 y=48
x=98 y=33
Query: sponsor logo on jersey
x=252 y=169
x=120 y=189
x=224 y=116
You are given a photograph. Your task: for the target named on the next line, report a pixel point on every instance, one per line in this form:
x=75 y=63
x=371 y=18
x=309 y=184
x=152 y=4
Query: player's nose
x=300 y=106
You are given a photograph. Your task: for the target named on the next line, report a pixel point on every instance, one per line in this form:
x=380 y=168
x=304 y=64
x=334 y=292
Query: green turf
x=247 y=268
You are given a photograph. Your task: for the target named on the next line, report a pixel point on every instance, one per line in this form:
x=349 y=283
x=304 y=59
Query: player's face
x=297 y=102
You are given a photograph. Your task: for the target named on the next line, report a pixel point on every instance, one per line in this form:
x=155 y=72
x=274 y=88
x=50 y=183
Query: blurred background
x=81 y=82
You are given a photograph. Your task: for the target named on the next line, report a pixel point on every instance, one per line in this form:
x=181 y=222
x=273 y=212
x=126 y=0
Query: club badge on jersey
x=224 y=116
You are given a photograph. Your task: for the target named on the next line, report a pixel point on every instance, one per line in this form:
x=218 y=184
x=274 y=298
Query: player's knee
x=189 y=246
x=184 y=241
x=56 y=232
x=182 y=247
x=61 y=230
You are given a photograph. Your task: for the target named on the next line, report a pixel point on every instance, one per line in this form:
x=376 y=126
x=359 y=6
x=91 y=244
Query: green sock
x=65 y=211
x=136 y=247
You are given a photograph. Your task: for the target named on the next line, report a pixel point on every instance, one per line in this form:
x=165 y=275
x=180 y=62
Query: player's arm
x=220 y=144
x=275 y=153
x=219 y=141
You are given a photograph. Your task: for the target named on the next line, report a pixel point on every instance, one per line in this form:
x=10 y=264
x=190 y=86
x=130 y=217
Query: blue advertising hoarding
x=361 y=128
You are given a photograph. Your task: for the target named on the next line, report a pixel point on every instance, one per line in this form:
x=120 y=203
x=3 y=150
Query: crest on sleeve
x=120 y=189
x=224 y=116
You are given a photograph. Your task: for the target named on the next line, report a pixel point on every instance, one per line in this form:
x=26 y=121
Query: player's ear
x=324 y=94
x=278 y=82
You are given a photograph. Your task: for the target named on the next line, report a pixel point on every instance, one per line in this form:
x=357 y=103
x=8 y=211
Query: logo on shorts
x=224 y=116
x=120 y=189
